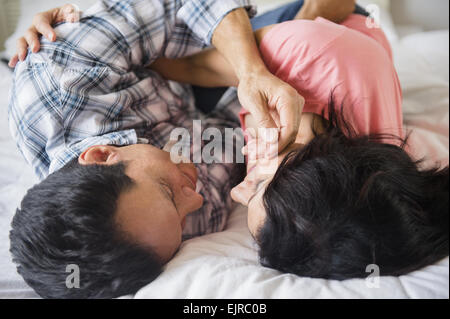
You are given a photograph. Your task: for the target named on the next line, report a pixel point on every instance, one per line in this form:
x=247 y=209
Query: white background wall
x=430 y=14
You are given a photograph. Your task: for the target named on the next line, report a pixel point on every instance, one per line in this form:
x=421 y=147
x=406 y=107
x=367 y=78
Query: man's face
x=153 y=211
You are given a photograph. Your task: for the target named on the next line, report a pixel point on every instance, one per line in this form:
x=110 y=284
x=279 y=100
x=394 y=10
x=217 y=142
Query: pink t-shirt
x=317 y=57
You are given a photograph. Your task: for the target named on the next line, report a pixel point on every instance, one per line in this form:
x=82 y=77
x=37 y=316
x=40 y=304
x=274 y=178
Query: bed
x=225 y=265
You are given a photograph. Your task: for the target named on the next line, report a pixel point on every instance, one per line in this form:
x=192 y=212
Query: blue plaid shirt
x=90 y=88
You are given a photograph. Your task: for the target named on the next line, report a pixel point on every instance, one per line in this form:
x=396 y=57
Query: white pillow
x=27 y=11
x=433 y=47
x=422 y=63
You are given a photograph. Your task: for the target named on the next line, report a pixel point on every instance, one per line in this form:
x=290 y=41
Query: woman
x=346 y=194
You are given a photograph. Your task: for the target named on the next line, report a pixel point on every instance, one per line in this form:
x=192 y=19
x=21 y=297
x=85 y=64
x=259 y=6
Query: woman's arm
x=207 y=68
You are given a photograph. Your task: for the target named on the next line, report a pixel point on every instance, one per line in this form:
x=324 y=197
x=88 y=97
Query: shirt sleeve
x=203 y=16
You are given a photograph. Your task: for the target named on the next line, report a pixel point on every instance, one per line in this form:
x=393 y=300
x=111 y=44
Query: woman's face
x=260 y=172
x=250 y=192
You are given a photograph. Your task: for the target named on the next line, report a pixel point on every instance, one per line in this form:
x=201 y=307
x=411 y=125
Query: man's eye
x=170 y=193
x=168 y=190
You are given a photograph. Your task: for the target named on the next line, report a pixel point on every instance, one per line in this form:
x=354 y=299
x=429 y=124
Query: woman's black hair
x=344 y=202
x=67 y=221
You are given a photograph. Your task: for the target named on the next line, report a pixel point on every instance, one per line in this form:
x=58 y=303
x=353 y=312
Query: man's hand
x=333 y=10
x=42 y=25
x=273 y=103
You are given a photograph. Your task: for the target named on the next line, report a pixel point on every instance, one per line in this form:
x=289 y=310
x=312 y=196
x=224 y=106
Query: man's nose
x=190 y=202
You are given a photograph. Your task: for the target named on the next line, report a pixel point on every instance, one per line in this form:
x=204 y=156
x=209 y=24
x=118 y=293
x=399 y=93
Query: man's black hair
x=344 y=202
x=68 y=219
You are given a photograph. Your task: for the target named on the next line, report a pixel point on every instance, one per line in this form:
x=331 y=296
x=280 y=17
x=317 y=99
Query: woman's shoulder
x=366 y=26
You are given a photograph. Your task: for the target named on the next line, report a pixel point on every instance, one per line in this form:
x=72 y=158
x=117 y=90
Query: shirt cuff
x=204 y=16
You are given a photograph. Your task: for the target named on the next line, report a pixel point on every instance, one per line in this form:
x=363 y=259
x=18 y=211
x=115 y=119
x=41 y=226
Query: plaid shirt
x=90 y=88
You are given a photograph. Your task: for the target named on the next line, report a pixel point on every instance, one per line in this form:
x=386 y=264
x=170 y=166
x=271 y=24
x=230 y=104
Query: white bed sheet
x=225 y=265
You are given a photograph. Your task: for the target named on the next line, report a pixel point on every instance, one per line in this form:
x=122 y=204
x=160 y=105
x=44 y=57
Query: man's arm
x=259 y=91
x=206 y=69
x=210 y=69
x=234 y=39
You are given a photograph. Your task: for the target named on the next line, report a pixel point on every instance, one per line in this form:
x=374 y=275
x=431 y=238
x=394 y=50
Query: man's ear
x=99 y=155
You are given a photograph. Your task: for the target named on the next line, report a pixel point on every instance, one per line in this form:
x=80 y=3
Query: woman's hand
x=42 y=25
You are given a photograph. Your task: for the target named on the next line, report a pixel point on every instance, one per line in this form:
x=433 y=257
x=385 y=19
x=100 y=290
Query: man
x=84 y=111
